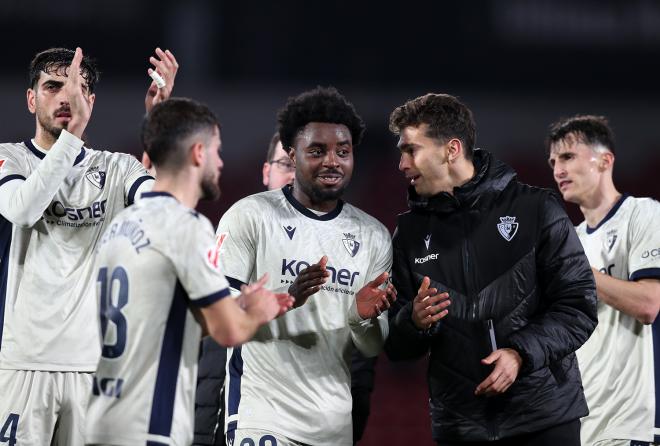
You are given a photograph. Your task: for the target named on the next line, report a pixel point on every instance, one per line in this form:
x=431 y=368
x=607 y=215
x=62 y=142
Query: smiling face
x=50 y=104
x=424 y=161
x=577 y=168
x=323 y=154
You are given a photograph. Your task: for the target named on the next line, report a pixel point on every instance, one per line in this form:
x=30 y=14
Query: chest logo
x=507 y=227
x=611 y=239
x=290 y=230
x=351 y=245
x=96 y=177
x=427 y=241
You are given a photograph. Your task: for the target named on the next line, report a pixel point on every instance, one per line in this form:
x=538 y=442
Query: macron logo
x=426 y=258
x=289 y=231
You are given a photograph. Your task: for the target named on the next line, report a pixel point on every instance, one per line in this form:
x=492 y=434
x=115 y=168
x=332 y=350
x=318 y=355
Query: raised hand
x=309 y=281
x=78 y=96
x=166 y=65
x=429 y=306
x=371 y=300
x=507 y=365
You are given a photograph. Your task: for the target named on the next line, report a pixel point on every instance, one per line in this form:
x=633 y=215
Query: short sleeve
x=196 y=262
x=236 y=240
x=135 y=176
x=644 y=239
x=10 y=167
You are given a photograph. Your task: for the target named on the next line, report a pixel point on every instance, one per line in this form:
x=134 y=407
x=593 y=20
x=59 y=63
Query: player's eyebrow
x=406 y=147
x=52 y=83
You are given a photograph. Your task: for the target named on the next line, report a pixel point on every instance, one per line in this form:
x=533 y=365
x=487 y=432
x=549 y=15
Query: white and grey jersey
x=53 y=207
x=156 y=260
x=293 y=378
x=616 y=362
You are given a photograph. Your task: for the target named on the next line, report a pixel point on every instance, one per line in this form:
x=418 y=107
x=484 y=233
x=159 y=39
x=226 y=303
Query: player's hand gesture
x=166 y=66
x=78 y=96
x=429 y=306
x=309 y=281
x=266 y=305
x=371 y=300
x=507 y=365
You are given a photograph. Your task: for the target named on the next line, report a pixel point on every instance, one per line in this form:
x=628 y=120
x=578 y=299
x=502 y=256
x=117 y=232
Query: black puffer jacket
x=505 y=252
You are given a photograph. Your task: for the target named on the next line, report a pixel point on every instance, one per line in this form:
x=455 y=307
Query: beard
x=210 y=187
x=46 y=123
x=320 y=195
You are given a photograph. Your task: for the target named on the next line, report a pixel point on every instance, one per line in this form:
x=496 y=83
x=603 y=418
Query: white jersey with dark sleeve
x=293 y=378
x=616 y=362
x=155 y=261
x=53 y=207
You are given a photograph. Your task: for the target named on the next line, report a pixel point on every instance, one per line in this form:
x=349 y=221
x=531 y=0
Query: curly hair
x=445 y=115
x=57 y=60
x=323 y=104
x=588 y=129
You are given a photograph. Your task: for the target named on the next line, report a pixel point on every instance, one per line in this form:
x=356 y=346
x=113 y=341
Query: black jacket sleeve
x=405 y=341
x=566 y=284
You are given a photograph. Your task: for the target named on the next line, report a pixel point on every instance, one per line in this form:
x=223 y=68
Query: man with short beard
x=56 y=198
x=291 y=384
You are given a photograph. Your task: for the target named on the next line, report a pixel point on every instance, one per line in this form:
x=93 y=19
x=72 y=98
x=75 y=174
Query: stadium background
x=519 y=64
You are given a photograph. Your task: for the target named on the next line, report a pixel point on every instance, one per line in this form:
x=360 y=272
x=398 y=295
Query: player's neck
x=599 y=203
x=309 y=203
x=186 y=192
x=44 y=139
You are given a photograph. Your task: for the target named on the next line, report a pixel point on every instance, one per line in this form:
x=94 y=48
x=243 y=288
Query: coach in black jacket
x=521 y=296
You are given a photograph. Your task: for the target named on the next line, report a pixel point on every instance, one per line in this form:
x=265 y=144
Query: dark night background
x=518 y=64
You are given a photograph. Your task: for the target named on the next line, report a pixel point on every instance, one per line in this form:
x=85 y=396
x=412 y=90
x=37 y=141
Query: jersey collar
x=609 y=215
x=288 y=193
x=39 y=154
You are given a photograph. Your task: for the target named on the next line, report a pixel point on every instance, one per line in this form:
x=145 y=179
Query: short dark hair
x=57 y=60
x=271 y=146
x=445 y=115
x=170 y=122
x=323 y=104
x=588 y=129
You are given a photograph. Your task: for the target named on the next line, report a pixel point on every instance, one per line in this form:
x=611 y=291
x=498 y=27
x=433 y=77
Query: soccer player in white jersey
x=620 y=237
x=158 y=270
x=56 y=197
x=291 y=384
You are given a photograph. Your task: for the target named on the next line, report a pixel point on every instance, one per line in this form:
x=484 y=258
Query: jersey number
x=9 y=428
x=117 y=286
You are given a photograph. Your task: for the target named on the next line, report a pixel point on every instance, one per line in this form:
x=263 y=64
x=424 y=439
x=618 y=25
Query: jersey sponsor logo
x=351 y=245
x=427 y=241
x=425 y=259
x=610 y=239
x=290 y=230
x=341 y=276
x=507 y=227
x=655 y=252
x=57 y=213
x=96 y=177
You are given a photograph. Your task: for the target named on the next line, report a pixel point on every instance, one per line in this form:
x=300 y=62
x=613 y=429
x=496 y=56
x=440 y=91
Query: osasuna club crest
x=96 y=177
x=507 y=228
x=611 y=239
x=351 y=245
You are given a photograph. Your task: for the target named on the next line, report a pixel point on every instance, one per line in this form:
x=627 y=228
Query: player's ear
x=265 y=173
x=454 y=149
x=606 y=161
x=292 y=154
x=197 y=154
x=31 y=100
x=92 y=98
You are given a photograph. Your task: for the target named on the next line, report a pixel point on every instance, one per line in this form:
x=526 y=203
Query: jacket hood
x=491 y=178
